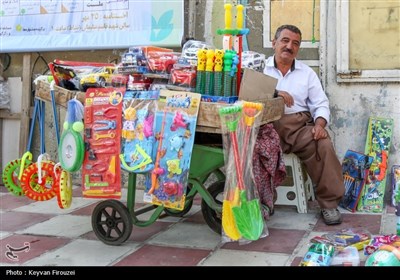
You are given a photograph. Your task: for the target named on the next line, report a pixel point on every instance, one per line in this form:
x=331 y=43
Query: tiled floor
x=48 y=236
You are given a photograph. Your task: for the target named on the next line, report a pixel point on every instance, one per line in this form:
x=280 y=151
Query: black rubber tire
x=212 y=217
x=107 y=218
x=186 y=208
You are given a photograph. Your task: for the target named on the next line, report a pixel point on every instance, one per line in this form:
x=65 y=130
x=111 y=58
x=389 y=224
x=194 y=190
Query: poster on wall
x=58 y=25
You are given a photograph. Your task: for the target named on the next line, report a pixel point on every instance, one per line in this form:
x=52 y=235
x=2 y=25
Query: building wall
x=351 y=103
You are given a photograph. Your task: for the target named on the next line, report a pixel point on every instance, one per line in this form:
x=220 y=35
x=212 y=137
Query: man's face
x=287 y=45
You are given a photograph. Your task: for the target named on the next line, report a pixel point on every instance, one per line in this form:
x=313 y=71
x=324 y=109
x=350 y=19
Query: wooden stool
x=297 y=188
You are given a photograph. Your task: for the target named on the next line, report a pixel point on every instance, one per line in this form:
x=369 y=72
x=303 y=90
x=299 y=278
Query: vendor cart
x=112 y=221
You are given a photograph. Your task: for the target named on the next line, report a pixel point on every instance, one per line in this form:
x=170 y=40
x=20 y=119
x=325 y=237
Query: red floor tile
x=10 y=201
x=37 y=245
x=150 y=255
x=296 y=261
x=196 y=218
x=279 y=241
x=13 y=221
x=372 y=223
x=85 y=211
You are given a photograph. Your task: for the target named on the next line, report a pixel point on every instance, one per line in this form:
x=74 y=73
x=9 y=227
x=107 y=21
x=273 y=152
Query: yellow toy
x=128 y=129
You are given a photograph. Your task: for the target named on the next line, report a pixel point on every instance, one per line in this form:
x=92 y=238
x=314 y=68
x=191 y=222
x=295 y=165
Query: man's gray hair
x=292 y=28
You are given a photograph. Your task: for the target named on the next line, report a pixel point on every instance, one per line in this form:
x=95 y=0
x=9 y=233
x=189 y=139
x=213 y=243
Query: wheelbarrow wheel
x=186 y=208
x=112 y=222
x=212 y=217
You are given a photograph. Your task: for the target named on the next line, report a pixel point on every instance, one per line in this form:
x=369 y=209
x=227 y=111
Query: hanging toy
x=71 y=148
x=38 y=179
x=63 y=187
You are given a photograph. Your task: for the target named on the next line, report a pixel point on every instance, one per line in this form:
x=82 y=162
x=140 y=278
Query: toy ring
x=71 y=150
x=10 y=176
x=64 y=192
x=30 y=182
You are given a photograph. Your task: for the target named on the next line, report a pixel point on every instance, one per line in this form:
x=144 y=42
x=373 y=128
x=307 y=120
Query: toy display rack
x=208 y=118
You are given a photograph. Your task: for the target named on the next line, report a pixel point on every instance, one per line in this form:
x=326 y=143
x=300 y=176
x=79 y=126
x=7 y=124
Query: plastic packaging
x=347 y=257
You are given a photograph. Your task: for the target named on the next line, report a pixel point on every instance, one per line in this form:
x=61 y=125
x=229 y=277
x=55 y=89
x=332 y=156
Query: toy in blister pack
x=319 y=254
x=355 y=167
x=101 y=172
x=378 y=143
x=137 y=133
x=175 y=125
x=68 y=74
x=396 y=185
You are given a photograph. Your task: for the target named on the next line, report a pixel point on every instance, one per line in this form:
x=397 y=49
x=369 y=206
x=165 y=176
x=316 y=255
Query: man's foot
x=331 y=216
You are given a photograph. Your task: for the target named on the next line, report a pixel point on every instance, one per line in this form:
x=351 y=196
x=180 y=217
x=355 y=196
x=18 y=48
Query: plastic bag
x=5 y=97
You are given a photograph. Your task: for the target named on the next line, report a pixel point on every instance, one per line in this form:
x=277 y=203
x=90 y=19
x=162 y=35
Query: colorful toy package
x=379 y=138
x=241 y=210
x=101 y=172
x=138 y=133
x=355 y=168
x=175 y=126
x=395 y=185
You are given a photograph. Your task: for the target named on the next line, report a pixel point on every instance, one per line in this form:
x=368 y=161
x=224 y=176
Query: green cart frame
x=112 y=221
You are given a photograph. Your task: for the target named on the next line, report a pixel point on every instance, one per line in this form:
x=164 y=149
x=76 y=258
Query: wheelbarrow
x=112 y=221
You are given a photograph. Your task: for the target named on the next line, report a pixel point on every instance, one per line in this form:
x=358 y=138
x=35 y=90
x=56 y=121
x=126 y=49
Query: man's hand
x=319 y=130
x=287 y=98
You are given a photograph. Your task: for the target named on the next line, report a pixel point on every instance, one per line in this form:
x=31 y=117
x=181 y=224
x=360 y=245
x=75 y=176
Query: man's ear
x=273 y=43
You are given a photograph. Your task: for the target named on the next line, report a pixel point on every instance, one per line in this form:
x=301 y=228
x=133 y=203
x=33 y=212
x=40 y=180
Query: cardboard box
x=256 y=86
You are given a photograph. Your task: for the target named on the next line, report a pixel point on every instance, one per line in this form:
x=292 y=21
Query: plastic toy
x=99 y=78
x=101 y=172
x=253 y=60
x=386 y=255
x=175 y=121
x=377 y=146
x=183 y=74
x=190 y=50
x=71 y=148
x=355 y=167
x=161 y=62
x=38 y=180
x=247 y=214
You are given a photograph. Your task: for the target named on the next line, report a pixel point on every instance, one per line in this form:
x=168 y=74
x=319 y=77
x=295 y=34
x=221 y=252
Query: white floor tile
x=288 y=218
x=64 y=225
x=83 y=253
x=4 y=234
x=188 y=235
x=389 y=224
x=51 y=206
x=225 y=257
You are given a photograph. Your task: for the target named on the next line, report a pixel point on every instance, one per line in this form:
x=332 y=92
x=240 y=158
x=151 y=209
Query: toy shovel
x=247 y=214
x=232 y=198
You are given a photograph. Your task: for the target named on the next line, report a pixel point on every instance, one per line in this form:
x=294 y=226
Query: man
x=302 y=128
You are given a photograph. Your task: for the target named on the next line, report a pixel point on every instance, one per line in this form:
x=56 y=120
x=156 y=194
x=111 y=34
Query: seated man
x=302 y=127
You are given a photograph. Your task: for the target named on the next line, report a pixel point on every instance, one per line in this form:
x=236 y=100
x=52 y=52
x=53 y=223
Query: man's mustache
x=288 y=50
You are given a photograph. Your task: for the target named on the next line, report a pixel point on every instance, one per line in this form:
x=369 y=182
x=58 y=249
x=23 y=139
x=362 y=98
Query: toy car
x=161 y=62
x=99 y=77
x=131 y=82
x=190 y=48
x=253 y=60
x=183 y=74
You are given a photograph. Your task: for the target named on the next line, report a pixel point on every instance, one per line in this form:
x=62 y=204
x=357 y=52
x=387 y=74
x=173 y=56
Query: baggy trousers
x=319 y=157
